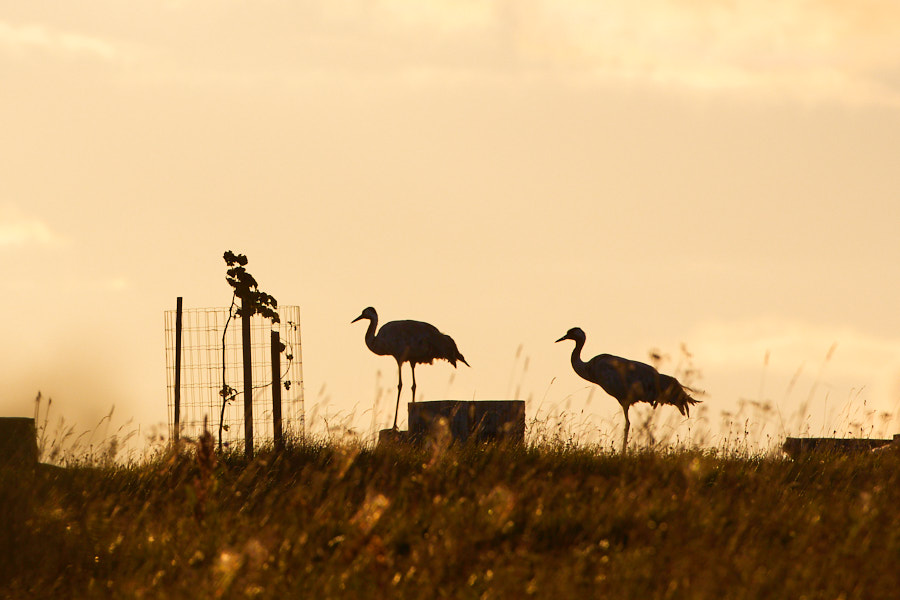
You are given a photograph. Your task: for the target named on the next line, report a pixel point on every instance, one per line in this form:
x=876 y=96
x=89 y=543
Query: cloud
x=21 y=39
x=805 y=49
x=819 y=378
x=785 y=345
x=116 y=284
x=18 y=229
x=441 y=15
x=798 y=50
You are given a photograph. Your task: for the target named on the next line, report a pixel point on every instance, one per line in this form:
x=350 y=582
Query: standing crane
x=413 y=342
x=629 y=381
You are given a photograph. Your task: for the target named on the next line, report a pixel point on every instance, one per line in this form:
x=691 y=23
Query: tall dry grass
x=338 y=519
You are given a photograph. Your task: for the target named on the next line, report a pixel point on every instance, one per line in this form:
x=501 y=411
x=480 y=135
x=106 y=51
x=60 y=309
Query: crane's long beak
x=565 y=337
x=356 y=319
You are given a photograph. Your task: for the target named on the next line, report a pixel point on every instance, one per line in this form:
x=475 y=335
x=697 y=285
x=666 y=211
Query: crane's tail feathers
x=684 y=402
x=677 y=395
x=446 y=349
x=457 y=359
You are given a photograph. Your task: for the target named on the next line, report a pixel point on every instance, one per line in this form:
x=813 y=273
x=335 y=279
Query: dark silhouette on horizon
x=413 y=342
x=629 y=381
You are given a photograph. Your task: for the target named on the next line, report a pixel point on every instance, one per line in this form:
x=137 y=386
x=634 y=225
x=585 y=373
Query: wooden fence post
x=176 y=434
x=248 y=383
x=276 y=391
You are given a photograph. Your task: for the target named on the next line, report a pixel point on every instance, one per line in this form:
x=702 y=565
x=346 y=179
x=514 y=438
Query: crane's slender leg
x=627 y=427
x=399 y=387
x=412 y=365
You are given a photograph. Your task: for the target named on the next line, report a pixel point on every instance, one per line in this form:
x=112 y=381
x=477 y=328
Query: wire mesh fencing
x=212 y=371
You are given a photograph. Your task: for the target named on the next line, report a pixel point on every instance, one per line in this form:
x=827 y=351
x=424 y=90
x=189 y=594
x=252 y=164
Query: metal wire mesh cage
x=212 y=355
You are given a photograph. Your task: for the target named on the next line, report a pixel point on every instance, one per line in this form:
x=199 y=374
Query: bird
x=413 y=342
x=629 y=381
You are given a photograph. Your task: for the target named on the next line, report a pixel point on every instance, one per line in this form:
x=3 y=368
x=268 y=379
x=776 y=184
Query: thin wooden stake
x=276 y=390
x=176 y=433
x=248 y=384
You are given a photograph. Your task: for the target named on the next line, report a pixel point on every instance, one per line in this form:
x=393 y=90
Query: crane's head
x=368 y=313
x=573 y=334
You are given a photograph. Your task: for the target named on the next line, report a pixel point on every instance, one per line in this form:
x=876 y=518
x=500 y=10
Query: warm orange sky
x=722 y=175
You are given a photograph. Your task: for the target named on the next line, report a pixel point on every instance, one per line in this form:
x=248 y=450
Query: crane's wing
x=418 y=342
x=633 y=381
x=621 y=378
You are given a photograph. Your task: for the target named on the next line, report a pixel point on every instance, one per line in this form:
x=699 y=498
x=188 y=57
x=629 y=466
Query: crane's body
x=628 y=381
x=412 y=342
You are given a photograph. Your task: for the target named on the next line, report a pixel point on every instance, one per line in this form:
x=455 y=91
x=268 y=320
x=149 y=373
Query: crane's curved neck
x=577 y=364
x=371 y=342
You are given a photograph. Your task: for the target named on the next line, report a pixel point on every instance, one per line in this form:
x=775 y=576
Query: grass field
x=337 y=520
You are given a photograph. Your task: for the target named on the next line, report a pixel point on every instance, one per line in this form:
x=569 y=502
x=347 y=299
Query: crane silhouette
x=413 y=342
x=629 y=381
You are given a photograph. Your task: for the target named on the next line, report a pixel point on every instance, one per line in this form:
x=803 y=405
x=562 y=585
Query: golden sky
x=718 y=174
